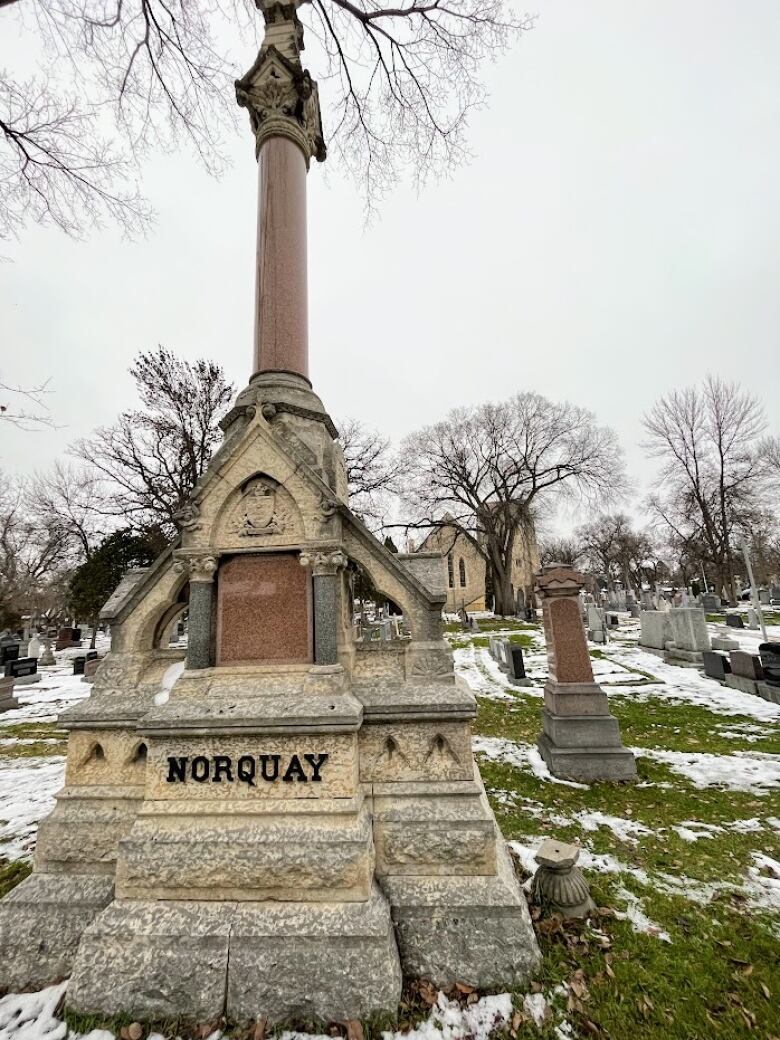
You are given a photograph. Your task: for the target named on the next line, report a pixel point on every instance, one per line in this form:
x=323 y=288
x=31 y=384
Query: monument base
x=465 y=929
x=157 y=959
x=587 y=764
x=41 y=924
x=685 y=658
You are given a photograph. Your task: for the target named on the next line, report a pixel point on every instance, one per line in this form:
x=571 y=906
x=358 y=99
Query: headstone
x=734 y=621
x=580 y=739
x=23 y=671
x=716 y=665
x=724 y=643
x=746 y=664
x=34 y=647
x=770 y=662
x=597 y=629
x=90 y=669
x=79 y=662
x=47 y=657
x=612 y=620
x=646 y=599
x=752 y=619
x=635 y=610
x=9 y=650
x=763 y=597
x=7 y=700
x=474 y=624
x=656 y=629
x=689 y=636
x=710 y=601
x=516 y=665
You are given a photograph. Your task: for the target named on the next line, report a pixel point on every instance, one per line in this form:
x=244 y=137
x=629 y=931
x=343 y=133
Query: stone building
x=466 y=567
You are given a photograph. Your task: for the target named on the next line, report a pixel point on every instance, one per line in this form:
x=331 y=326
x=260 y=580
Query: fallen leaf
x=258 y=1033
x=463 y=987
x=354 y=1029
x=135 y=1031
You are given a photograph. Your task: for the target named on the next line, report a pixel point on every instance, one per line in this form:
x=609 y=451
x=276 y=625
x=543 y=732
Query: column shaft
x=281 y=301
x=199 y=624
x=325 y=618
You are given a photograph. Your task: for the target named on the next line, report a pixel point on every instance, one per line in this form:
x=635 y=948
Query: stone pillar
x=580 y=739
x=284 y=112
x=325 y=566
x=201 y=568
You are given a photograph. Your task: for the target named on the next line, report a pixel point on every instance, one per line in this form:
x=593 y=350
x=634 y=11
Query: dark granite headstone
x=746 y=664
x=78 y=665
x=716 y=666
x=770 y=662
x=9 y=652
x=515 y=662
x=735 y=621
x=21 y=666
x=612 y=620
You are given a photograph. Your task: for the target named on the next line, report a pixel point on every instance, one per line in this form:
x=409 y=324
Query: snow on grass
x=33 y=1016
x=449 y=1021
x=753 y=772
x=27 y=789
x=625 y=830
x=481 y=685
x=522 y=756
x=763 y=881
x=637 y=918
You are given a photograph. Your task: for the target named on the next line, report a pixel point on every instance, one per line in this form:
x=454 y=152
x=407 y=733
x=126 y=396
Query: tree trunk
x=504 y=595
x=94 y=624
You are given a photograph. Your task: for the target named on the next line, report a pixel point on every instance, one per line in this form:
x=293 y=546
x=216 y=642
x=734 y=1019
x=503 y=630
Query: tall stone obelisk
x=283 y=106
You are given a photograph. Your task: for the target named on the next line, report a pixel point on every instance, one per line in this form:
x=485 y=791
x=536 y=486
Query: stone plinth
x=580 y=738
x=655 y=629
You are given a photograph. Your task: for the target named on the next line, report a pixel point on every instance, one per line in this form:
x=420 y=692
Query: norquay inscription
x=246 y=769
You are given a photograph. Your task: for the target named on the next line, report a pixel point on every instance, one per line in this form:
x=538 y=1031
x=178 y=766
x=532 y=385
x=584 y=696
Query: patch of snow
x=33 y=1016
x=27 y=789
x=753 y=772
x=521 y=756
x=692 y=830
x=481 y=685
x=625 y=830
x=536 y=1007
x=637 y=918
x=449 y=1021
x=762 y=884
x=172 y=673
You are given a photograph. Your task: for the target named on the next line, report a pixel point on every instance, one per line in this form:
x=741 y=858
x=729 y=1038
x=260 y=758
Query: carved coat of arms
x=258 y=513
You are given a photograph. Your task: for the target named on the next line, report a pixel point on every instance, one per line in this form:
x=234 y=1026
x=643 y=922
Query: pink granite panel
x=263 y=610
x=568 y=649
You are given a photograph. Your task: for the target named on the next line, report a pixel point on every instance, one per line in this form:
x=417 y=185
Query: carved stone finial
x=558 y=885
x=279 y=94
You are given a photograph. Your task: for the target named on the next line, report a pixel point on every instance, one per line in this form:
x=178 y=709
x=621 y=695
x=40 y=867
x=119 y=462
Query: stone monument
x=580 y=738
x=282 y=823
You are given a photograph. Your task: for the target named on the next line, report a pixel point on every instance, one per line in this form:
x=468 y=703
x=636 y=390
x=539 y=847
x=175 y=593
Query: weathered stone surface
x=416 y=751
x=154 y=959
x=656 y=629
x=746 y=664
x=281 y=856
x=293 y=960
x=383 y=702
x=83 y=831
x=587 y=764
x=581 y=731
x=41 y=923
x=475 y=930
x=716 y=665
x=689 y=628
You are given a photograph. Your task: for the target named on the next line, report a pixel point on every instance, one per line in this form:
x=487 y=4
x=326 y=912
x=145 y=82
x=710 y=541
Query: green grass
x=31 y=738
x=11 y=873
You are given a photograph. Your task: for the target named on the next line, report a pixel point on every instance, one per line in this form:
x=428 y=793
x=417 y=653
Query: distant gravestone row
x=757 y=674
x=509 y=658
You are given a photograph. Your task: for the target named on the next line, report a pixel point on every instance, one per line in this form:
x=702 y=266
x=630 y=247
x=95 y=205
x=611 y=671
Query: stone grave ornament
x=276 y=820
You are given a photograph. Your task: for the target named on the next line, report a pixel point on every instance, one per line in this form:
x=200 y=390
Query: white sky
x=617 y=234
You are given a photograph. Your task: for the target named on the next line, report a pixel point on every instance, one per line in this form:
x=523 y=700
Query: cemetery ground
x=684 y=864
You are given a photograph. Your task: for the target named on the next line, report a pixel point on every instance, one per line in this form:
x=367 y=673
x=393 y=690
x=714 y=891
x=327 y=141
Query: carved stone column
x=201 y=568
x=284 y=112
x=325 y=566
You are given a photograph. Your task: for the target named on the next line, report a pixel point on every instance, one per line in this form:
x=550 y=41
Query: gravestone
x=580 y=738
x=716 y=666
x=9 y=651
x=763 y=597
x=655 y=629
x=689 y=636
x=293 y=822
x=770 y=662
x=597 y=629
x=79 y=662
x=734 y=621
x=724 y=643
x=516 y=665
x=23 y=671
x=7 y=700
x=34 y=647
x=746 y=664
x=90 y=669
x=752 y=619
x=47 y=657
x=710 y=601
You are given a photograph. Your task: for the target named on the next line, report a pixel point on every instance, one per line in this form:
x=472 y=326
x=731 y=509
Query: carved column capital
x=323 y=561
x=280 y=95
x=199 y=566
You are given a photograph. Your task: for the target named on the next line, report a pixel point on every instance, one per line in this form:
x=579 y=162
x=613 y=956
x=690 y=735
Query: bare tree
x=713 y=475
x=613 y=549
x=560 y=550
x=373 y=471
x=33 y=553
x=149 y=461
x=72 y=499
x=485 y=470
x=24 y=407
x=401 y=81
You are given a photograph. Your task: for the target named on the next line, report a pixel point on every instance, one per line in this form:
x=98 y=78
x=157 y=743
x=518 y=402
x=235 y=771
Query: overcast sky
x=616 y=235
